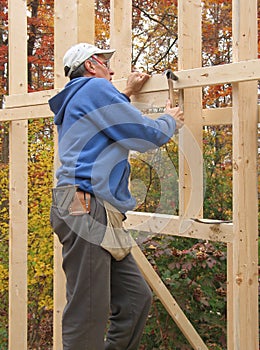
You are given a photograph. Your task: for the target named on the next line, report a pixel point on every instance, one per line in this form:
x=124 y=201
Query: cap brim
x=107 y=53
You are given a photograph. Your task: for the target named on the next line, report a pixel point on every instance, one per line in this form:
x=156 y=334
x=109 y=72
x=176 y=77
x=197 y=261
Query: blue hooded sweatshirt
x=97 y=127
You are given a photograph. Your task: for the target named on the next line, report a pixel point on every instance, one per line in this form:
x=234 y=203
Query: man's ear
x=90 y=67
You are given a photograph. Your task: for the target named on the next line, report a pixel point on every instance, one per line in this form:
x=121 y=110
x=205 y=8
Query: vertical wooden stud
x=86 y=21
x=18 y=180
x=121 y=36
x=190 y=138
x=74 y=23
x=243 y=256
x=65 y=35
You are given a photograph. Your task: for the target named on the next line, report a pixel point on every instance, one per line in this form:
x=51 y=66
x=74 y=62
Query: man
x=97 y=127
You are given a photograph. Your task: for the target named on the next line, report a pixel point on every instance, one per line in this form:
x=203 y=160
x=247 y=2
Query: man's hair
x=78 y=72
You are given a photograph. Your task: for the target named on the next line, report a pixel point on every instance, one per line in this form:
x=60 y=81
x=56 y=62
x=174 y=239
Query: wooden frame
x=241 y=235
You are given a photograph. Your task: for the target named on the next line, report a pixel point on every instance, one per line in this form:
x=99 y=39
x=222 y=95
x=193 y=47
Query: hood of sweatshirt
x=59 y=102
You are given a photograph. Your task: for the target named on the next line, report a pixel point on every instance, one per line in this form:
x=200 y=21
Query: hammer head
x=170 y=75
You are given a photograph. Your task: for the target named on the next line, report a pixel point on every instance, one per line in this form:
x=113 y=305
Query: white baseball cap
x=79 y=53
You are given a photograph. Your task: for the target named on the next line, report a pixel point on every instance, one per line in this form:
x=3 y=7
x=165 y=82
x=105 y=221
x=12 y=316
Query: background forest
x=193 y=270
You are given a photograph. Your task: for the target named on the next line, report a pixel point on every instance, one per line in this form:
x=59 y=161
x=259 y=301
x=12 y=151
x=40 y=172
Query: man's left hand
x=135 y=83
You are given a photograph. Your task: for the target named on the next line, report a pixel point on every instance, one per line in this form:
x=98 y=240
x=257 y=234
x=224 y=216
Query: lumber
x=221 y=74
x=190 y=136
x=229 y=73
x=155 y=223
x=243 y=318
x=18 y=181
x=121 y=38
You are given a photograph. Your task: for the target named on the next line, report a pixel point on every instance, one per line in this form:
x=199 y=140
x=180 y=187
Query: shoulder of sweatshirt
x=107 y=89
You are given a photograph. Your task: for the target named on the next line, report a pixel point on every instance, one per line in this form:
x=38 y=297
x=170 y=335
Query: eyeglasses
x=105 y=64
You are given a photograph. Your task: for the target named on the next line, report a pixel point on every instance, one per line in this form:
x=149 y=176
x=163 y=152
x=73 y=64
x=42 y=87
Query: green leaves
x=40 y=236
x=195 y=273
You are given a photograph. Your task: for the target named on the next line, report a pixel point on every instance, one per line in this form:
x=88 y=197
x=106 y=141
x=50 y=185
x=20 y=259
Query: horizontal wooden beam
x=25 y=113
x=221 y=74
x=171 y=225
x=30 y=99
x=228 y=73
x=219 y=116
x=35 y=105
x=211 y=75
x=211 y=116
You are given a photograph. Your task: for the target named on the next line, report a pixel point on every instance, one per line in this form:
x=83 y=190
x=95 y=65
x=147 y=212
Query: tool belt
x=117 y=241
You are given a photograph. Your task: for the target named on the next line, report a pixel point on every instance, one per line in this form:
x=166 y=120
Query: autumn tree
x=217 y=50
x=40 y=45
x=154 y=35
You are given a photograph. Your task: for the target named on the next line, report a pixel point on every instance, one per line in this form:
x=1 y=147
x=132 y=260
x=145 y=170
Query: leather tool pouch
x=80 y=204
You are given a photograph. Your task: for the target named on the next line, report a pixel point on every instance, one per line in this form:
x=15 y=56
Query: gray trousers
x=107 y=300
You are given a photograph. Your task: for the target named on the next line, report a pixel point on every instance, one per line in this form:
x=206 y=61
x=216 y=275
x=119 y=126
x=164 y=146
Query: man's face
x=102 y=67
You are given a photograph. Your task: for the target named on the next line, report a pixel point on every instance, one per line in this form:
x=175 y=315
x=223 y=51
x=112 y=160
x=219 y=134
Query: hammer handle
x=171 y=93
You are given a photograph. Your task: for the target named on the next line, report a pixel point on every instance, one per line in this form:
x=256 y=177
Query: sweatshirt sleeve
x=124 y=123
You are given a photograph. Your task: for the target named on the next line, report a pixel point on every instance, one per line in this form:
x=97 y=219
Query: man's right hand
x=176 y=113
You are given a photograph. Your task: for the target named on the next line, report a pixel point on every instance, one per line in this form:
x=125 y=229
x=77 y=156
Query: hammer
x=170 y=77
